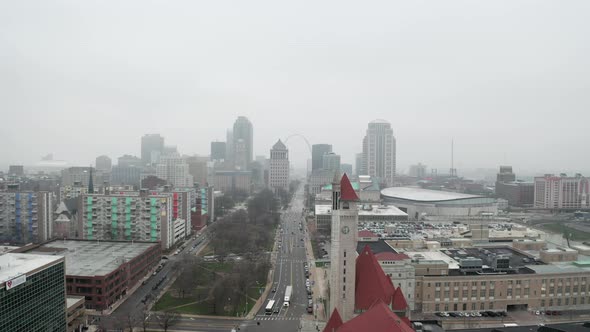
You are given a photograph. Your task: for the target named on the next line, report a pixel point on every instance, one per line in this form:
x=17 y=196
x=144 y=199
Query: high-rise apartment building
x=174 y=169
x=135 y=216
x=331 y=161
x=218 y=151
x=32 y=293
x=243 y=133
x=103 y=164
x=151 y=143
x=562 y=192
x=379 y=160
x=317 y=154
x=279 y=167
x=26 y=216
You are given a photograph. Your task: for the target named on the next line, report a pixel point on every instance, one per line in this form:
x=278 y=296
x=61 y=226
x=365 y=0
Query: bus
x=269 y=307
x=288 y=292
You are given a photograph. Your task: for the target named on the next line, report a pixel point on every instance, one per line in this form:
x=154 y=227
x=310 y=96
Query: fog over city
x=507 y=80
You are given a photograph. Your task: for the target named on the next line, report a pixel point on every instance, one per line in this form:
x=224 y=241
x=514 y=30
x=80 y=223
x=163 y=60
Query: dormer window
x=345 y=206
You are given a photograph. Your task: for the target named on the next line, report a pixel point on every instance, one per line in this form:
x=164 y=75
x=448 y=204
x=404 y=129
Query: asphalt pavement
x=289 y=270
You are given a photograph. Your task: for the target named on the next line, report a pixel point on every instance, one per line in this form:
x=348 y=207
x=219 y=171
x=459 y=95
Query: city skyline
x=496 y=89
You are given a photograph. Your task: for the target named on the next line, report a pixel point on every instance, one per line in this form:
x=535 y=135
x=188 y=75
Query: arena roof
x=424 y=195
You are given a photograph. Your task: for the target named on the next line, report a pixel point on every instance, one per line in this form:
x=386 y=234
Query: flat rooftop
x=381 y=210
x=93 y=258
x=487 y=254
x=424 y=195
x=433 y=255
x=12 y=265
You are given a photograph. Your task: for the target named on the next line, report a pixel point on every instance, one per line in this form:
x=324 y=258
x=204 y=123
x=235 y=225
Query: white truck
x=288 y=292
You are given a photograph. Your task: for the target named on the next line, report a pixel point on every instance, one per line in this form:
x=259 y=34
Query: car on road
x=144 y=282
x=309 y=310
x=164 y=257
x=274 y=290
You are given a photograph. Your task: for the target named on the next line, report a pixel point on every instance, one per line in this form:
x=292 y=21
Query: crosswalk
x=275 y=318
x=292 y=260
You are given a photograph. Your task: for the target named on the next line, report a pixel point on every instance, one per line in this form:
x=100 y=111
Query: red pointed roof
x=347 y=193
x=399 y=300
x=334 y=322
x=371 y=282
x=379 y=318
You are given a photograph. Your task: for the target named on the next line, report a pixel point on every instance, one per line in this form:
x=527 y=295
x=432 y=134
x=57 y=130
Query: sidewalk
x=319 y=279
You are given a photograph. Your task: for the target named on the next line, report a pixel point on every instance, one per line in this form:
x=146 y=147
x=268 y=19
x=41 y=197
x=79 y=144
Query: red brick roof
x=366 y=233
x=390 y=256
x=379 y=318
x=334 y=323
x=371 y=282
x=347 y=193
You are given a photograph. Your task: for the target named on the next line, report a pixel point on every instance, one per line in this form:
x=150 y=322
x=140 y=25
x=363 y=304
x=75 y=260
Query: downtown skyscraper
x=379 y=160
x=242 y=145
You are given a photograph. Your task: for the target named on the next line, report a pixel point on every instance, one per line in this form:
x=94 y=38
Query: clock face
x=345 y=230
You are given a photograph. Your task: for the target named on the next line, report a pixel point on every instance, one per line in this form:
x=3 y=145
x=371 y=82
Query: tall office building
x=197 y=168
x=151 y=143
x=16 y=170
x=505 y=174
x=103 y=164
x=80 y=175
x=218 y=151
x=32 y=293
x=241 y=155
x=317 y=154
x=126 y=175
x=174 y=169
x=358 y=164
x=331 y=161
x=26 y=216
x=379 y=160
x=279 y=167
x=243 y=130
x=129 y=160
x=562 y=192
x=418 y=170
x=344 y=240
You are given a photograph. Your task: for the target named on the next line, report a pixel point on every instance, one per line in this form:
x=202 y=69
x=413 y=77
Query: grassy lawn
x=219 y=267
x=576 y=235
x=168 y=301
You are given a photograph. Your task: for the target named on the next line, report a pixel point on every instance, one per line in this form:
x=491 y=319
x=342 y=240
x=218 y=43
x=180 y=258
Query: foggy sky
x=509 y=80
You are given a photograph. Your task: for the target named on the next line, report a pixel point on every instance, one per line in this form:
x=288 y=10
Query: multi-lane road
x=288 y=270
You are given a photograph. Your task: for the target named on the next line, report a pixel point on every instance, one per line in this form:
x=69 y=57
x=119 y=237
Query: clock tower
x=344 y=238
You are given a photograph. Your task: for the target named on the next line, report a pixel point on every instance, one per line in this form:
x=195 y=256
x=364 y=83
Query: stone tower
x=344 y=239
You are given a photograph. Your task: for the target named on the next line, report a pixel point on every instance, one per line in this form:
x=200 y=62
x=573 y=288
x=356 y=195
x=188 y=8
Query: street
x=289 y=270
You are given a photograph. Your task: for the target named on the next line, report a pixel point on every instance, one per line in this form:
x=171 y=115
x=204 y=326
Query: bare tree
x=130 y=321
x=144 y=316
x=167 y=319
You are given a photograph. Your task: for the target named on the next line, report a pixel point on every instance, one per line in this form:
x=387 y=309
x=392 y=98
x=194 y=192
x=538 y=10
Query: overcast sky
x=509 y=80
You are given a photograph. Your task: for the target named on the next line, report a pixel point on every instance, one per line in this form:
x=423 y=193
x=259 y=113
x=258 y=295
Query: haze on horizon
x=508 y=80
